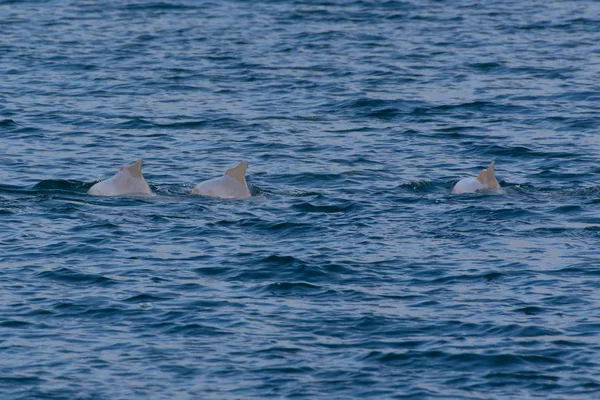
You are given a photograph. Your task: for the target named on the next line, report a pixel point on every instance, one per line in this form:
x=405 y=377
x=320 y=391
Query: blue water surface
x=352 y=272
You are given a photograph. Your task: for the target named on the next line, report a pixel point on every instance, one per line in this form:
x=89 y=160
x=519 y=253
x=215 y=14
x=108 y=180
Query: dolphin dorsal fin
x=238 y=173
x=492 y=168
x=136 y=169
x=488 y=176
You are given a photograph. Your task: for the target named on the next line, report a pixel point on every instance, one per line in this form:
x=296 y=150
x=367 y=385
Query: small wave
x=7 y=122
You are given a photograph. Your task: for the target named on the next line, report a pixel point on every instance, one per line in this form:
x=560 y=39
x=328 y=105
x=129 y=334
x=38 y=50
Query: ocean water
x=352 y=272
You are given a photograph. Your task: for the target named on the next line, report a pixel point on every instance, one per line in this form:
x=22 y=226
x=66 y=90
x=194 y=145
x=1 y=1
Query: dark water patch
x=158 y=6
x=277 y=267
x=147 y=298
x=17 y=381
x=487 y=67
x=211 y=271
x=461 y=132
x=110 y=313
x=291 y=289
x=319 y=177
x=281 y=228
x=63 y=249
x=211 y=123
x=9 y=123
x=375 y=108
x=518 y=375
x=469 y=108
x=136 y=123
x=531 y=310
x=420 y=186
x=584 y=269
x=325 y=208
x=563 y=300
x=70 y=276
x=565 y=232
x=515 y=330
x=522 y=152
x=290 y=228
x=40 y=313
x=63 y=185
x=284 y=261
x=491 y=276
x=484 y=213
x=13 y=189
x=197 y=330
x=462 y=360
x=15 y=324
x=208 y=305
x=567 y=209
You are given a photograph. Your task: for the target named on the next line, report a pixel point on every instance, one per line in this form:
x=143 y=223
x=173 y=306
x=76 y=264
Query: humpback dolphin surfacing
x=232 y=185
x=485 y=180
x=128 y=180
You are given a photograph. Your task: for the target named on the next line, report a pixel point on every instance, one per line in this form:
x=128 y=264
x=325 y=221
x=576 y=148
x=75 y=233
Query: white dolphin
x=128 y=180
x=232 y=185
x=485 y=180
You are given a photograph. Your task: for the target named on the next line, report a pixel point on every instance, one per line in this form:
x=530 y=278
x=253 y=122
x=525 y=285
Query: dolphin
x=485 y=180
x=232 y=185
x=128 y=180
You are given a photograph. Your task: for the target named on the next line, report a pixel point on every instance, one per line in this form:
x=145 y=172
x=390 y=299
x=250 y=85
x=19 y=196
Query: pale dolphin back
x=128 y=180
x=467 y=185
x=232 y=185
x=488 y=177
